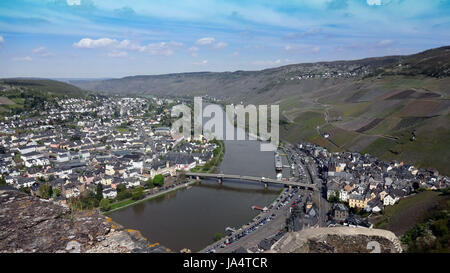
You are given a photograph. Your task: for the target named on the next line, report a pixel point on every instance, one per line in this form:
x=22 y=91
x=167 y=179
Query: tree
x=158 y=180
x=45 y=191
x=122 y=192
x=217 y=236
x=99 y=192
x=149 y=183
x=120 y=188
x=17 y=158
x=137 y=193
x=105 y=204
x=88 y=200
x=56 y=192
x=2 y=181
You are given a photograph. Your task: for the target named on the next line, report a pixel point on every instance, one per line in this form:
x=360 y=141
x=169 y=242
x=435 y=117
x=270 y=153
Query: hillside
x=394 y=107
x=240 y=85
x=18 y=94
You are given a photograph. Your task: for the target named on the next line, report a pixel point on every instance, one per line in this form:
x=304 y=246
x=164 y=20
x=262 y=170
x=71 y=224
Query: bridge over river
x=265 y=180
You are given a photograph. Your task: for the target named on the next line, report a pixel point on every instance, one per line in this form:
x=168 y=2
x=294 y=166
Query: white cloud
x=205 y=41
x=302 y=48
x=1 y=40
x=23 y=59
x=42 y=52
x=220 y=45
x=211 y=41
x=73 y=2
x=385 y=43
x=374 y=2
x=128 y=45
x=202 y=62
x=99 y=43
x=193 y=49
x=161 y=48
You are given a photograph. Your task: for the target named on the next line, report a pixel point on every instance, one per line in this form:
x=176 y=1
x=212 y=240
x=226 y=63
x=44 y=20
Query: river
x=189 y=218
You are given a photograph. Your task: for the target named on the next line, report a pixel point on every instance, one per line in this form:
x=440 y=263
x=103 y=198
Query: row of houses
x=364 y=182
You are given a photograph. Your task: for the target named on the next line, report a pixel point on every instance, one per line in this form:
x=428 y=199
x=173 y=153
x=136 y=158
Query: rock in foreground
x=29 y=224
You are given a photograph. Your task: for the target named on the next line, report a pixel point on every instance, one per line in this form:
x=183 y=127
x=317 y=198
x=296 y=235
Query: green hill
x=17 y=94
x=44 y=86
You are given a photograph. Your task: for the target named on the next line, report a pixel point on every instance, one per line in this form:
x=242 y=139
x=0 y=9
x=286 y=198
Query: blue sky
x=116 y=38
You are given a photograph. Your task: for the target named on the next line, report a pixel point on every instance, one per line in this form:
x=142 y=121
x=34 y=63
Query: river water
x=189 y=218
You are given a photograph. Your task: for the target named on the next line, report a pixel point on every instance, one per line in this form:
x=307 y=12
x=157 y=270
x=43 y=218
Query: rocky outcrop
x=29 y=224
x=338 y=240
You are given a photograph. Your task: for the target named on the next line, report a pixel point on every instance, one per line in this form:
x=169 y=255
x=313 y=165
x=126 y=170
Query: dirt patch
x=370 y=125
x=407 y=94
x=5 y=100
x=429 y=95
x=418 y=108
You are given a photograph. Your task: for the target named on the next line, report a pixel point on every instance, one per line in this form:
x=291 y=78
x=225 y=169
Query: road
x=268 y=230
x=310 y=169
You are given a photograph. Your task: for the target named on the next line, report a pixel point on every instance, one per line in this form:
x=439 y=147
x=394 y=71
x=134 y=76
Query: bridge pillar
x=197 y=178
x=290 y=187
x=265 y=185
x=219 y=180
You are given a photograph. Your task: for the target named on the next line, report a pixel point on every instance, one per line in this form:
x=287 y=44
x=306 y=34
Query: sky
x=118 y=38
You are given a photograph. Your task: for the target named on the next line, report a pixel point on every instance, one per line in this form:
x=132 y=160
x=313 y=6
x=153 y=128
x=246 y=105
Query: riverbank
x=129 y=202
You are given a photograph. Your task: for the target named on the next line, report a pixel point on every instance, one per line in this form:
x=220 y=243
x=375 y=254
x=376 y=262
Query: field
x=418 y=108
x=303 y=127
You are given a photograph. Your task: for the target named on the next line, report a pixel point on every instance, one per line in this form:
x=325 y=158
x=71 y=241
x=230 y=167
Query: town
x=98 y=151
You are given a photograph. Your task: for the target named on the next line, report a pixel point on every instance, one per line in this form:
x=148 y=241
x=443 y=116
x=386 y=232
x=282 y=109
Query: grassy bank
x=130 y=202
x=408 y=212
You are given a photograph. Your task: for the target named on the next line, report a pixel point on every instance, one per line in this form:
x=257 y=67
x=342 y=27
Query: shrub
x=105 y=204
